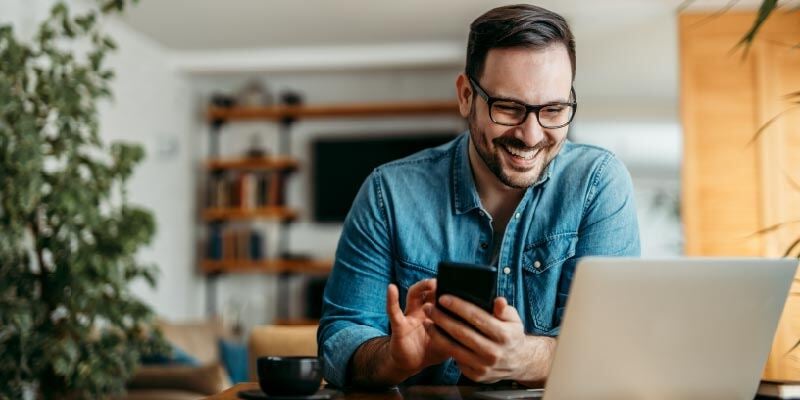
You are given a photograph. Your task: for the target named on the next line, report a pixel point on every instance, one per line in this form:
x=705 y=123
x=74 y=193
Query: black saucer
x=257 y=394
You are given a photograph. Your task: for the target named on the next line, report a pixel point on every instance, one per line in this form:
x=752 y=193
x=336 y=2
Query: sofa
x=178 y=382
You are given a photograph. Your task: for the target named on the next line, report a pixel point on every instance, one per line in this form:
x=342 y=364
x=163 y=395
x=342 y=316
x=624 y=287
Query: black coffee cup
x=289 y=376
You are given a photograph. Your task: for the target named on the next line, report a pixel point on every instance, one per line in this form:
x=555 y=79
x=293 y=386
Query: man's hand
x=410 y=345
x=389 y=360
x=494 y=347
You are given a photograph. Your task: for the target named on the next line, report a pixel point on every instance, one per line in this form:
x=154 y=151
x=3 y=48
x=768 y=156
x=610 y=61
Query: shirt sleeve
x=354 y=302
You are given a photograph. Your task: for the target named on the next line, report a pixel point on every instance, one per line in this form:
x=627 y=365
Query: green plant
x=69 y=326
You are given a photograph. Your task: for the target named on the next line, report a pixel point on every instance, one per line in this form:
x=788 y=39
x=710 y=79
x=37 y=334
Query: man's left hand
x=495 y=347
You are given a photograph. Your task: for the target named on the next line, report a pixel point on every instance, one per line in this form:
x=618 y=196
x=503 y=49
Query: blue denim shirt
x=412 y=213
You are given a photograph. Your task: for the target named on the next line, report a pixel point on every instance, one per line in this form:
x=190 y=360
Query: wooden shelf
x=277 y=113
x=254 y=164
x=322 y=267
x=277 y=213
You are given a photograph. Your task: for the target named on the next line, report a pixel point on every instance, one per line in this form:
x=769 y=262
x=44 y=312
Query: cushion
x=233 y=355
x=198 y=339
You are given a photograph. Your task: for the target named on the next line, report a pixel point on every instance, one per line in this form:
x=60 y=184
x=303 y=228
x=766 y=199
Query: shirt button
x=481 y=213
x=537 y=264
x=484 y=245
x=506 y=270
x=518 y=215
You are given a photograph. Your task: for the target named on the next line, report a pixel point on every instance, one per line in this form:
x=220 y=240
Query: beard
x=511 y=176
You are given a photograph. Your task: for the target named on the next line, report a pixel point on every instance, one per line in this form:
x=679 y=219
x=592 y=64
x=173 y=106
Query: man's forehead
x=520 y=73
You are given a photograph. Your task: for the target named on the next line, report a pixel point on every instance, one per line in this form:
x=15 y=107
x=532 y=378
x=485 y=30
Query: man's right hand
x=390 y=360
x=410 y=345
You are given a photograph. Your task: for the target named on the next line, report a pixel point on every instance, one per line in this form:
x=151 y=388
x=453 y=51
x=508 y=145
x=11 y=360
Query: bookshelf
x=242 y=189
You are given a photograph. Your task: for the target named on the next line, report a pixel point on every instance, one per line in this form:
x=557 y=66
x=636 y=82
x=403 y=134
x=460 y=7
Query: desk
x=407 y=393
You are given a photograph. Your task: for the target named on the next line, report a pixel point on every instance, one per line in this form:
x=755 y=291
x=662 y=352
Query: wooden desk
x=408 y=393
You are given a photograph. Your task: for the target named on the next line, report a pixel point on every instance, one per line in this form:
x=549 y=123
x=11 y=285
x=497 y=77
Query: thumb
x=393 y=310
x=505 y=312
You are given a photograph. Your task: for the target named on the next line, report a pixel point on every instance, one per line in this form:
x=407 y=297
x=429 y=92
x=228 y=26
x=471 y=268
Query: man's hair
x=521 y=25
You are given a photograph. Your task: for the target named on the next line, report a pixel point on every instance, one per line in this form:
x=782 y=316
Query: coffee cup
x=289 y=376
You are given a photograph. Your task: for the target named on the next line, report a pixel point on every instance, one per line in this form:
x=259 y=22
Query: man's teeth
x=526 y=155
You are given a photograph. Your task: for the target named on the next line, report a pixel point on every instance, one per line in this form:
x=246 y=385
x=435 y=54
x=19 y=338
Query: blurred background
x=261 y=118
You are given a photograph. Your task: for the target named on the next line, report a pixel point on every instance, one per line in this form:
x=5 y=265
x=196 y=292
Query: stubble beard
x=526 y=178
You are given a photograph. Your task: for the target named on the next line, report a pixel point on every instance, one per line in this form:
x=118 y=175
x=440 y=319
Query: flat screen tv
x=342 y=163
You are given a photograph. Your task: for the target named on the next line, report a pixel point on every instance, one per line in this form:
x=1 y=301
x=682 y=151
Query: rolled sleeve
x=338 y=349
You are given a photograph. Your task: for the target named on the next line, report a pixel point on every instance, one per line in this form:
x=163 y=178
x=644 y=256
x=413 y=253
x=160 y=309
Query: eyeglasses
x=513 y=113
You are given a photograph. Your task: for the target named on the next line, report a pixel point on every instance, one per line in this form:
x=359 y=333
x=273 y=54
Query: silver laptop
x=689 y=328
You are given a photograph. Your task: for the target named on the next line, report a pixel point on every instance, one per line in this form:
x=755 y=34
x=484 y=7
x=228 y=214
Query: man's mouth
x=520 y=154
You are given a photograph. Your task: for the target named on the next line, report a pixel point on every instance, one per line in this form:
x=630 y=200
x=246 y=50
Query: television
x=340 y=164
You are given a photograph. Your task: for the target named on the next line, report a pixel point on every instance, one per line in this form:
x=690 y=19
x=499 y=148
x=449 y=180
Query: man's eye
x=507 y=108
x=553 y=110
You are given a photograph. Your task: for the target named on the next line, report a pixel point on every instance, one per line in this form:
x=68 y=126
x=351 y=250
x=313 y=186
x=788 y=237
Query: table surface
x=407 y=393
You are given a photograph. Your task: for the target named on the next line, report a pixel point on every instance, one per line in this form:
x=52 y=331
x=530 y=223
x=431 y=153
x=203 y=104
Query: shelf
x=254 y=164
x=277 y=113
x=267 y=266
x=277 y=213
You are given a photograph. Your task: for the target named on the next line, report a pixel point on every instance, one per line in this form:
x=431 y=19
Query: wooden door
x=735 y=186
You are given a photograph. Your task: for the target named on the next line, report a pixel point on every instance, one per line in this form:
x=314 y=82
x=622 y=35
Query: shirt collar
x=465 y=193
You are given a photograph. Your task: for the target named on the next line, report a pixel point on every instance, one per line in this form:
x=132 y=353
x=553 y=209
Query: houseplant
x=69 y=326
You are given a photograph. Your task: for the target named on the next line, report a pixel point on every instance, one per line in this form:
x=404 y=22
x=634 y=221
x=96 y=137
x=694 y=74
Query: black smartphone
x=471 y=282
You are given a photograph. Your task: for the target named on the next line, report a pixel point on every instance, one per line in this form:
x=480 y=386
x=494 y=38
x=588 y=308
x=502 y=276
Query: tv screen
x=341 y=164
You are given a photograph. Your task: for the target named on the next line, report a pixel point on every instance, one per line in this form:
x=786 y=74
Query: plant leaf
x=774 y=227
x=791 y=248
x=764 y=11
x=767 y=125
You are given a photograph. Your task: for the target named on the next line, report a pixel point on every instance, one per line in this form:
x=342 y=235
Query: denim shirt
x=412 y=213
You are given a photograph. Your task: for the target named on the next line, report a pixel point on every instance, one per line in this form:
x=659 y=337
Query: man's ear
x=464 y=94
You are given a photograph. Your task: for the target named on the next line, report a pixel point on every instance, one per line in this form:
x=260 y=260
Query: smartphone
x=471 y=282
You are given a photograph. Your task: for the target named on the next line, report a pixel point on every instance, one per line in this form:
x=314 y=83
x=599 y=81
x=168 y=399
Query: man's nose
x=532 y=131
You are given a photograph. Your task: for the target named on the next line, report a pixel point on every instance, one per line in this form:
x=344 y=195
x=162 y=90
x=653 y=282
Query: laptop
x=687 y=328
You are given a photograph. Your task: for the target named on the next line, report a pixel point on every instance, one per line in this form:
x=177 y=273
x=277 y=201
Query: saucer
x=257 y=394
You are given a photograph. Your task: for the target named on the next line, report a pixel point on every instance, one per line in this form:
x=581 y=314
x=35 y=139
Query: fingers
x=420 y=293
x=505 y=312
x=462 y=333
x=475 y=316
x=448 y=346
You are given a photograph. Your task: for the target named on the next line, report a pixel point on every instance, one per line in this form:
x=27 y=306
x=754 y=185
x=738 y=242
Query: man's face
x=517 y=155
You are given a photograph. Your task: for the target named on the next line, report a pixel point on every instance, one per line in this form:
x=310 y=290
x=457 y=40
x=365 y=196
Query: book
x=780 y=389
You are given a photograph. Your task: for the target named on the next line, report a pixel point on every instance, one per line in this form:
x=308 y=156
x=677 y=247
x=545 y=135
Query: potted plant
x=69 y=325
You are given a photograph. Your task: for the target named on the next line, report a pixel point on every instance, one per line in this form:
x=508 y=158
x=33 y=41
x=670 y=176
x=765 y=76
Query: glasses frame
x=529 y=108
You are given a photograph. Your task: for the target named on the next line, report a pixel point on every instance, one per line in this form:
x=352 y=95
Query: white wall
x=149 y=108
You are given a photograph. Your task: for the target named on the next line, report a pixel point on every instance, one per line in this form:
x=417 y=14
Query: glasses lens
x=508 y=113
x=555 y=115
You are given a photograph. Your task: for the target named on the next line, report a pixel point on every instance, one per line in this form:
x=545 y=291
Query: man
x=512 y=192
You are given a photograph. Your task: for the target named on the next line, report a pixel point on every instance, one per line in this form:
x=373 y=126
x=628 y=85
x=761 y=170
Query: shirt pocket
x=407 y=274
x=542 y=264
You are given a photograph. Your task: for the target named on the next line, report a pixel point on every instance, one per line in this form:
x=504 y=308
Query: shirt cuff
x=339 y=348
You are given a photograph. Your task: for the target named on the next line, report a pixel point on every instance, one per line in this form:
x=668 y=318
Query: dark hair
x=521 y=25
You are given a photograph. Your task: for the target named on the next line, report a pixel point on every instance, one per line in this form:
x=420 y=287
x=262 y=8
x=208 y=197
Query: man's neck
x=498 y=199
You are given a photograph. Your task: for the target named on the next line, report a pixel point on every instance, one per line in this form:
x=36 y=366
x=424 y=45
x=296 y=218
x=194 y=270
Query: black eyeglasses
x=513 y=113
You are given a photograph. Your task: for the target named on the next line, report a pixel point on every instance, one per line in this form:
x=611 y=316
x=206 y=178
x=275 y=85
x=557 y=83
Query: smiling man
x=512 y=192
